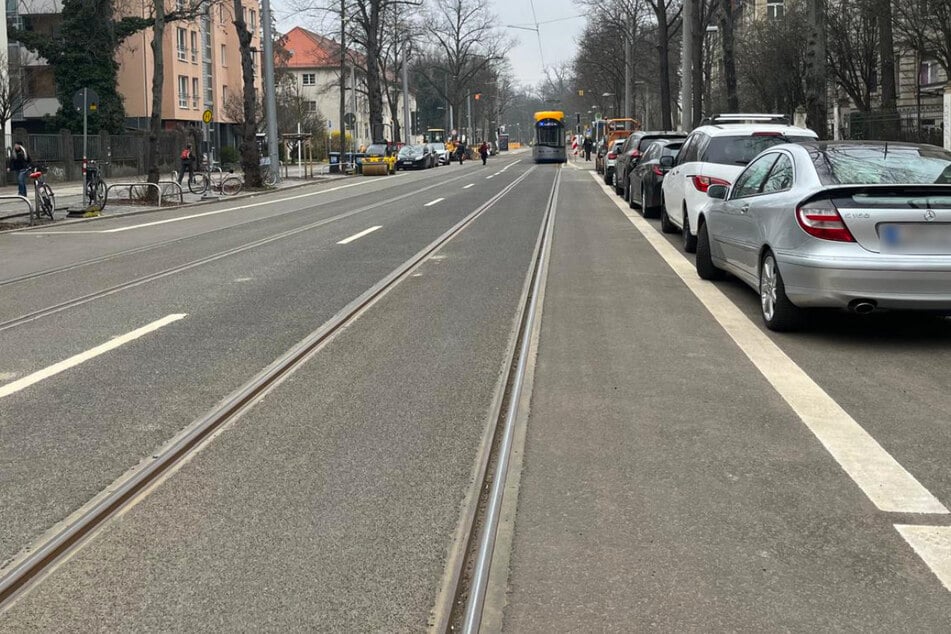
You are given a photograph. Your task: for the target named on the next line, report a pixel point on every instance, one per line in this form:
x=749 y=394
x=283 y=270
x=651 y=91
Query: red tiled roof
x=310 y=50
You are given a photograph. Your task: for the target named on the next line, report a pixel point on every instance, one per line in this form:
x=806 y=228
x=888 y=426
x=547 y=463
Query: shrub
x=229 y=154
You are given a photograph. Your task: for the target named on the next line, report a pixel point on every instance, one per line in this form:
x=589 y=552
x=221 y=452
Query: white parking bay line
x=933 y=545
x=112 y=344
x=469 y=185
x=357 y=236
x=433 y=202
x=886 y=483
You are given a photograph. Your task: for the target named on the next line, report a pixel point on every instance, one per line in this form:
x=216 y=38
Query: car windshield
x=376 y=150
x=881 y=164
x=439 y=147
x=410 y=151
x=740 y=150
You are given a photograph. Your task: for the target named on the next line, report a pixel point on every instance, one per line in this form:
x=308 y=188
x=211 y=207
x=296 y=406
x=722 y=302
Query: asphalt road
x=673 y=476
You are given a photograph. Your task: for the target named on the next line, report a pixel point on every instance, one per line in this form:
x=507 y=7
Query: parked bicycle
x=43 y=199
x=214 y=178
x=95 y=190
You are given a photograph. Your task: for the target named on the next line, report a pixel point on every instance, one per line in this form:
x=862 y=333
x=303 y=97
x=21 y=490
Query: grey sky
x=558 y=39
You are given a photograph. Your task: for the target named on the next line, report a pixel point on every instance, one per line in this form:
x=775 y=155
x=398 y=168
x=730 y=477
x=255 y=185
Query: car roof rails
x=744 y=118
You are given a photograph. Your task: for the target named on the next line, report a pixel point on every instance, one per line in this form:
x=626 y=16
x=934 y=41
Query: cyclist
x=188 y=162
x=19 y=163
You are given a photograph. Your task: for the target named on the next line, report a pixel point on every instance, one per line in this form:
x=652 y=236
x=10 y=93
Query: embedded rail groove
x=78 y=301
x=468 y=595
x=45 y=555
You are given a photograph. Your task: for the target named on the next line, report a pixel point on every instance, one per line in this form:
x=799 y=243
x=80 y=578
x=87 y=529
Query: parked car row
x=422 y=156
x=808 y=224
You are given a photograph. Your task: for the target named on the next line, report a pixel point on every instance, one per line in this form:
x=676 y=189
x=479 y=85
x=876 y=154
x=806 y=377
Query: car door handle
x=745 y=208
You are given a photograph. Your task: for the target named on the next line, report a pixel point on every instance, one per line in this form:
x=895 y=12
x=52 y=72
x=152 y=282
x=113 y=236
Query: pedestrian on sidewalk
x=484 y=151
x=587 y=148
x=188 y=163
x=19 y=164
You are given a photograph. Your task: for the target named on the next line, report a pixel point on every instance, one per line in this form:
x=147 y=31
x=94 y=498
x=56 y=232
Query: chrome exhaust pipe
x=862 y=306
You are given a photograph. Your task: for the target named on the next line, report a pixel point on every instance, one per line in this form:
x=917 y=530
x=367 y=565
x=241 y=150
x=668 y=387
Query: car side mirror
x=667 y=161
x=717 y=191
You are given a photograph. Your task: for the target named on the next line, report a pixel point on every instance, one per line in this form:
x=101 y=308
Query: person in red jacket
x=484 y=151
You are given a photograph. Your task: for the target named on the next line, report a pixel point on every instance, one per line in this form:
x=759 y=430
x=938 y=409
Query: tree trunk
x=158 y=81
x=729 y=56
x=374 y=85
x=816 y=112
x=343 y=80
x=250 y=156
x=891 y=124
x=663 y=53
x=699 y=32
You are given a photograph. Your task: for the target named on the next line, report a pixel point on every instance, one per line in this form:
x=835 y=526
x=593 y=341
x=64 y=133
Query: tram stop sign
x=206 y=115
x=91 y=99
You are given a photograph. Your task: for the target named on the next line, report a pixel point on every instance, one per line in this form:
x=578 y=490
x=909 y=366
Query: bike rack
x=158 y=190
x=29 y=206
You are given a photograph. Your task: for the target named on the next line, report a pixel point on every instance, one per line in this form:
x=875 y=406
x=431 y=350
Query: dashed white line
x=357 y=236
x=112 y=344
x=886 y=483
x=469 y=185
x=488 y=177
x=433 y=202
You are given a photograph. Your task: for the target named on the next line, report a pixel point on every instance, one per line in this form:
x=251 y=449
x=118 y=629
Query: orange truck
x=614 y=129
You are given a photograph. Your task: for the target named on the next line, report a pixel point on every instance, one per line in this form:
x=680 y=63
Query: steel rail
x=44 y=555
x=151 y=277
x=149 y=247
x=475 y=600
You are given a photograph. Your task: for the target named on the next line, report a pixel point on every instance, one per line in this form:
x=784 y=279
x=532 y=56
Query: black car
x=415 y=157
x=630 y=155
x=643 y=184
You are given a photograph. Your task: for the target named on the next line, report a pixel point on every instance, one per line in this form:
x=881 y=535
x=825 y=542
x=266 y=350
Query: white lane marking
x=488 y=177
x=433 y=202
x=933 y=545
x=357 y=236
x=112 y=344
x=469 y=185
x=201 y=215
x=886 y=483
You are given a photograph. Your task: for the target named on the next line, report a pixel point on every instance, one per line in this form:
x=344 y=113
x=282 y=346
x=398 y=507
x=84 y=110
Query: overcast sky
x=558 y=39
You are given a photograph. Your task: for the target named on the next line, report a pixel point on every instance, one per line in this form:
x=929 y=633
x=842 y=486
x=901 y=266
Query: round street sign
x=349 y=119
x=91 y=99
x=206 y=115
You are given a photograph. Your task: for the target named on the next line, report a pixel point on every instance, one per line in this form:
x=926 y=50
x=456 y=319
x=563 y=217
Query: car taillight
x=702 y=183
x=821 y=219
x=656 y=169
x=612 y=155
x=635 y=154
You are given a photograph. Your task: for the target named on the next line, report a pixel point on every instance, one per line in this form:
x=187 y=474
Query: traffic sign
x=349 y=119
x=206 y=115
x=91 y=99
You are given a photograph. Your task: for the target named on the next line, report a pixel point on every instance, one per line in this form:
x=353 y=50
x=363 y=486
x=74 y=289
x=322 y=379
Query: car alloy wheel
x=690 y=240
x=779 y=313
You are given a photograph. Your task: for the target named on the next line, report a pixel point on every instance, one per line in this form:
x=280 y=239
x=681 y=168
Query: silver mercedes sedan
x=863 y=225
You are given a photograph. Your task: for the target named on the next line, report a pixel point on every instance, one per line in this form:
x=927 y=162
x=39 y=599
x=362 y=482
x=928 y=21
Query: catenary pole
x=270 y=102
x=406 y=123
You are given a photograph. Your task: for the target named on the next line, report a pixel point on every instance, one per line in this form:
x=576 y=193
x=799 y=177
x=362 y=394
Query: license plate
x=407 y=162
x=915 y=238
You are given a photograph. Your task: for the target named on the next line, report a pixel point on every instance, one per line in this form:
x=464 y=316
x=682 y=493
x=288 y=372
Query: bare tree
x=667 y=16
x=14 y=93
x=399 y=32
x=772 y=72
x=853 y=49
x=250 y=155
x=726 y=23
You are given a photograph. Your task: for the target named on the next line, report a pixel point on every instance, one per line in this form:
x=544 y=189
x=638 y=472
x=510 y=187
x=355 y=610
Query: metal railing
x=159 y=190
x=29 y=207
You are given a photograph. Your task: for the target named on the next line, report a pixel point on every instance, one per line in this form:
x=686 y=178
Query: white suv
x=715 y=154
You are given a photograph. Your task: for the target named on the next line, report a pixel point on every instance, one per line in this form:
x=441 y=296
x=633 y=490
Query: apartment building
x=202 y=70
x=313 y=72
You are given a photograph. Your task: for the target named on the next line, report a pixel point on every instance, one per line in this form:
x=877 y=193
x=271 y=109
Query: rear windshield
x=645 y=142
x=740 y=150
x=882 y=165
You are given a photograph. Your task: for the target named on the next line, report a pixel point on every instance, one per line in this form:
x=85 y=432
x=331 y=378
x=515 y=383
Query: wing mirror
x=667 y=161
x=717 y=191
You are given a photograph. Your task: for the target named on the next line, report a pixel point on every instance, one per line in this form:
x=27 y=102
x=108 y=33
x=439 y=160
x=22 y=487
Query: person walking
x=188 y=163
x=461 y=149
x=484 y=152
x=19 y=164
x=587 y=148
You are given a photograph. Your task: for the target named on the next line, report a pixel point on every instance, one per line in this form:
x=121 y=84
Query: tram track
x=151 y=277
x=43 y=556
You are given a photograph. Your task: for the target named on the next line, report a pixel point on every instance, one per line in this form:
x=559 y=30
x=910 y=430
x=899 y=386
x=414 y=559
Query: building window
x=312 y=107
x=928 y=73
x=195 y=93
x=182 y=44
x=224 y=95
x=224 y=55
x=254 y=22
x=194 y=47
x=309 y=79
x=775 y=9
x=182 y=91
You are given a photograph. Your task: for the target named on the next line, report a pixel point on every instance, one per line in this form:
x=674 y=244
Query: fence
x=125 y=154
x=882 y=126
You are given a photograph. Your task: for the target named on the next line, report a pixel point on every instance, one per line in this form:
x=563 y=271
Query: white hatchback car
x=715 y=155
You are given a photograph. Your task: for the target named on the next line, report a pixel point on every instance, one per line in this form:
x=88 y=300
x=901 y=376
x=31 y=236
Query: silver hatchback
x=862 y=225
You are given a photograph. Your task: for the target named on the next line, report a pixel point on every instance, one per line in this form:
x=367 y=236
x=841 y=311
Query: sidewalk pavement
x=69 y=196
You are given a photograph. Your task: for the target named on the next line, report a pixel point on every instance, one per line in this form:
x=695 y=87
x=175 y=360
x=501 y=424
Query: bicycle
x=95 y=190
x=43 y=198
x=200 y=182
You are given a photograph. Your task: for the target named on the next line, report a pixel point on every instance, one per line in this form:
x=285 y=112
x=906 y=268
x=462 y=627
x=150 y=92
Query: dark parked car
x=416 y=157
x=630 y=155
x=647 y=176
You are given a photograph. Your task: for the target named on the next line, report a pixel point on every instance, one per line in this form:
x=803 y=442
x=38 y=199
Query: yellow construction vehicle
x=380 y=160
